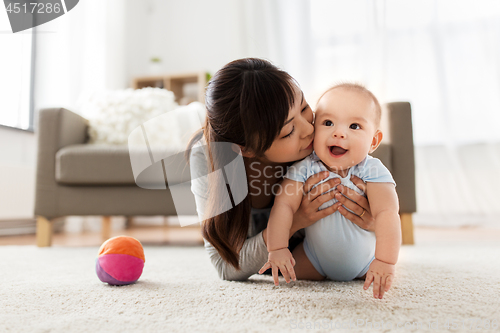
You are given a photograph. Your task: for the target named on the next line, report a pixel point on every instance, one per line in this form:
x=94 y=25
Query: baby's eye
x=328 y=123
x=355 y=126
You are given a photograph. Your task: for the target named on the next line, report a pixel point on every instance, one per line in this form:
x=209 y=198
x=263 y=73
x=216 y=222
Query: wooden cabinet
x=187 y=88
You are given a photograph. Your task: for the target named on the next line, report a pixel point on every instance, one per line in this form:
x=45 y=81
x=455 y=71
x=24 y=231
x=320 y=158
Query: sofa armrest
x=402 y=155
x=57 y=128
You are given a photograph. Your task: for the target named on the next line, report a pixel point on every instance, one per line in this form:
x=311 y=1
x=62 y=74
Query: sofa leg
x=43 y=232
x=129 y=222
x=106 y=228
x=407 y=228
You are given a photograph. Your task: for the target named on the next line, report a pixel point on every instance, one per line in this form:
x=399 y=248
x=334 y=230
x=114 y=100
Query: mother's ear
x=242 y=150
x=377 y=138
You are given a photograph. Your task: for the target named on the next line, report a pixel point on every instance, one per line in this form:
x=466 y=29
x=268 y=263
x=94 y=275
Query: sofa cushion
x=383 y=153
x=102 y=164
x=99 y=164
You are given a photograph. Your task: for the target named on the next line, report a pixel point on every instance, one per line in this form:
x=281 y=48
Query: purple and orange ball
x=120 y=260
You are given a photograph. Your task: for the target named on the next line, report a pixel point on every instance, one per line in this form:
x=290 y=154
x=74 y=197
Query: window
x=443 y=56
x=16 y=76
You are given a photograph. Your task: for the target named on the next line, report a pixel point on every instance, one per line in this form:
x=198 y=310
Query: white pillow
x=113 y=115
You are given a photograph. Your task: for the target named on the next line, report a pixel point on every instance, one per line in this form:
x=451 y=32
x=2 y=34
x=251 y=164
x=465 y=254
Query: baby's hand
x=283 y=260
x=382 y=275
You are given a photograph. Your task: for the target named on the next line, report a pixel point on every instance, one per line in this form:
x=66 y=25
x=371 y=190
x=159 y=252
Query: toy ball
x=120 y=260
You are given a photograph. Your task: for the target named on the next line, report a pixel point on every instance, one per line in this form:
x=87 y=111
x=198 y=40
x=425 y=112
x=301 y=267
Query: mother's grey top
x=253 y=254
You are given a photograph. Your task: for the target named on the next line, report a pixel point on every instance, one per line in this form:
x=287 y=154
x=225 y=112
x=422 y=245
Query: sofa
x=74 y=177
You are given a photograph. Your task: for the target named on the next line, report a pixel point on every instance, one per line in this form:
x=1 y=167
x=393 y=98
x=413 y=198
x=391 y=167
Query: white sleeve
x=374 y=171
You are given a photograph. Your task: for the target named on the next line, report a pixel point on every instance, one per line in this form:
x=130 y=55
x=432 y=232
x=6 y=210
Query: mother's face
x=295 y=139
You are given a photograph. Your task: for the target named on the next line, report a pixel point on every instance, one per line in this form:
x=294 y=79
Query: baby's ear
x=377 y=138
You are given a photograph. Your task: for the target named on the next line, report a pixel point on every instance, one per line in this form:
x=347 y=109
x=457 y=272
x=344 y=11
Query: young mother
x=261 y=108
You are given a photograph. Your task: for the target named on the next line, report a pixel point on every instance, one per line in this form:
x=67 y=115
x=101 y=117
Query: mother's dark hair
x=247 y=102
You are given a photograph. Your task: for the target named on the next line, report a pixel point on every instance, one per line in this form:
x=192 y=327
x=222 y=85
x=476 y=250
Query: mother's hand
x=358 y=204
x=313 y=198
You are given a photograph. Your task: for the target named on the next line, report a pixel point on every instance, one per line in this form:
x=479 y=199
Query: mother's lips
x=310 y=145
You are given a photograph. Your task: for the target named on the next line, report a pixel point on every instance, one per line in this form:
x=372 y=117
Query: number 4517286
x=34 y=8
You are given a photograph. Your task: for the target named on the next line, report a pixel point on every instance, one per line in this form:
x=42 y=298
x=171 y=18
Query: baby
x=346 y=130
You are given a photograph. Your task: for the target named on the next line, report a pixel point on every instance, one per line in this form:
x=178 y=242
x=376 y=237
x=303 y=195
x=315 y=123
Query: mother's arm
x=253 y=253
x=253 y=256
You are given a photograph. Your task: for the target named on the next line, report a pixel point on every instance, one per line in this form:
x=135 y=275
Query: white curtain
x=81 y=52
x=443 y=56
x=280 y=31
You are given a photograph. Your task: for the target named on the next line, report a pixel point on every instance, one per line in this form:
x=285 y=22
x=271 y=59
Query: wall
x=17 y=173
x=187 y=35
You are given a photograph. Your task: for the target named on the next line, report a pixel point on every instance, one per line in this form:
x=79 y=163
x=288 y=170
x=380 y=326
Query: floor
x=443 y=280
x=148 y=235
x=161 y=235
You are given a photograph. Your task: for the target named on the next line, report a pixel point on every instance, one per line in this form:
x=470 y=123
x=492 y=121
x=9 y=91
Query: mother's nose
x=307 y=128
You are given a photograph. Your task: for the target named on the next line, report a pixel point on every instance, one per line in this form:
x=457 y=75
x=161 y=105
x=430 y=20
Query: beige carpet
x=56 y=290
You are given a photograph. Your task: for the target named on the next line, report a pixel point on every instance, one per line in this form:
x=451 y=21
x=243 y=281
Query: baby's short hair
x=362 y=89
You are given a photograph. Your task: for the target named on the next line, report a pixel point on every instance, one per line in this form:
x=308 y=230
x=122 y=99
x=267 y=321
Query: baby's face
x=345 y=128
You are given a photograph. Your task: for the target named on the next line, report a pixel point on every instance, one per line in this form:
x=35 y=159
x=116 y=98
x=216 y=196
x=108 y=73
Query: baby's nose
x=338 y=134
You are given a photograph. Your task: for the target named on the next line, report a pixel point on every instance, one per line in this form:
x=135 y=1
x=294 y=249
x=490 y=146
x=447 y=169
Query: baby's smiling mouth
x=337 y=150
